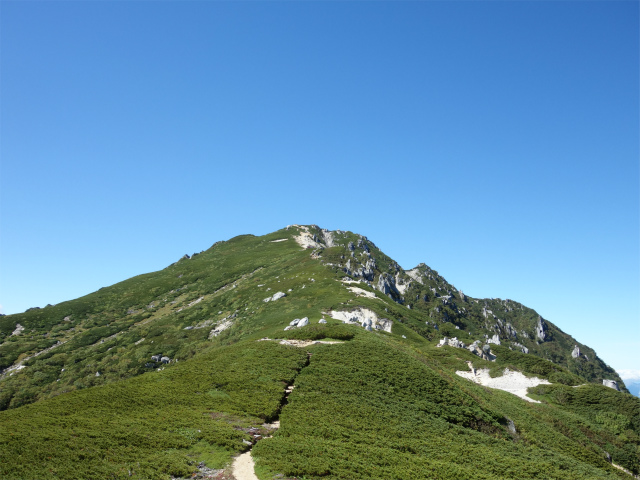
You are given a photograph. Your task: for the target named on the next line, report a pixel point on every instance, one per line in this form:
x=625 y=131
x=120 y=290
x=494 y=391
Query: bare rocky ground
x=510 y=381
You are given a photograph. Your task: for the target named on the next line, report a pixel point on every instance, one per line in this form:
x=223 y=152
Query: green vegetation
x=153 y=426
x=365 y=409
x=83 y=397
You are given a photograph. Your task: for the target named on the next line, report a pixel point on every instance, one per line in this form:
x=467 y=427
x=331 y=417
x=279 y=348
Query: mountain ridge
x=277 y=294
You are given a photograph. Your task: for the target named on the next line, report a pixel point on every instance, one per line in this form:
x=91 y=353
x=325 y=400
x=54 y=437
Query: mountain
x=634 y=388
x=316 y=355
x=632 y=381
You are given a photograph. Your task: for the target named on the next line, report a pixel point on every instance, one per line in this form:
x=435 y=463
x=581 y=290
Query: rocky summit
x=304 y=353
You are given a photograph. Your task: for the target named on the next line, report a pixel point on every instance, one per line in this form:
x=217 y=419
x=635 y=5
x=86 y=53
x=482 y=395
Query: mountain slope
x=383 y=402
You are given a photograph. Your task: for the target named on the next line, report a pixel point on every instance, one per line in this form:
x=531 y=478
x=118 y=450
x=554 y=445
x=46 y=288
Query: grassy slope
x=396 y=402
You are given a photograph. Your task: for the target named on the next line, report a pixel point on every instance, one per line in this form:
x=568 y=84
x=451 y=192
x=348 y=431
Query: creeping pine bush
x=150 y=426
x=366 y=410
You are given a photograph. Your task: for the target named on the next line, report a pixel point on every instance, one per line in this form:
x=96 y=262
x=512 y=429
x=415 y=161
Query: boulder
x=495 y=340
x=277 y=296
x=322 y=320
x=303 y=322
x=576 y=352
x=165 y=359
x=475 y=349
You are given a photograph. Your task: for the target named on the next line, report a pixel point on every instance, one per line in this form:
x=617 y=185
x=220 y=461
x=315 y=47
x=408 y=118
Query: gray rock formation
x=165 y=359
x=452 y=342
x=541 y=329
x=386 y=285
x=510 y=330
x=367 y=269
x=495 y=340
x=297 y=323
x=611 y=384
x=475 y=348
x=322 y=320
x=576 y=352
x=521 y=347
x=156 y=358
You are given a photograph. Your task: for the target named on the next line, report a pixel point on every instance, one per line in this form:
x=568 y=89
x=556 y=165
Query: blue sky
x=495 y=141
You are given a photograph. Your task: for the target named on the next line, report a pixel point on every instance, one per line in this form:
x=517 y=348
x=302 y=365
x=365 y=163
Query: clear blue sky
x=495 y=141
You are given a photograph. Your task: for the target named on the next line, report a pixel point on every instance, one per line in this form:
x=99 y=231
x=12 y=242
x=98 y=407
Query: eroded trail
x=242 y=467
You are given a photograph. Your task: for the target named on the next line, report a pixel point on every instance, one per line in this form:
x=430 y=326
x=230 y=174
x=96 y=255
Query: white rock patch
x=510 y=381
x=279 y=240
x=416 y=275
x=400 y=285
x=362 y=293
x=220 y=328
x=276 y=296
x=19 y=329
x=305 y=239
x=306 y=343
x=365 y=317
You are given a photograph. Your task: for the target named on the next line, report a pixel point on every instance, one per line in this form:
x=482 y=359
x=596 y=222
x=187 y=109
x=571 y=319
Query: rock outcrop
x=365 y=317
x=541 y=329
x=576 y=352
x=484 y=352
x=611 y=384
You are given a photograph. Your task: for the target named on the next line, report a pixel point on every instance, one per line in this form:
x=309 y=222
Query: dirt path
x=242 y=468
